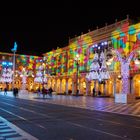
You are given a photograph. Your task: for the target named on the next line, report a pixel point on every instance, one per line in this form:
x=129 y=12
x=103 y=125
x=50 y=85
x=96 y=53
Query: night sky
x=39 y=28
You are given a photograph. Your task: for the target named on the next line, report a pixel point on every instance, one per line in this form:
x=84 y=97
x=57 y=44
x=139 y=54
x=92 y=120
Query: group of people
x=45 y=91
x=94 y=92
x=15 y=91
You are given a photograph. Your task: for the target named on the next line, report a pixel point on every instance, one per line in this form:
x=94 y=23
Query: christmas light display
x=6 y=75
x=98 y=69
x=125 y=70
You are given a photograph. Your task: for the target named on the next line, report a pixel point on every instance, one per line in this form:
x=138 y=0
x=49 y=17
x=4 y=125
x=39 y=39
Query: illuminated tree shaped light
x=23 y=75
x=98 y=68
x=39 y=75
x=125 y=70
x=6 y=75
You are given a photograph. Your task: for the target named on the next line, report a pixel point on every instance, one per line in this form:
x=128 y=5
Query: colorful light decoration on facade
x=7 y=64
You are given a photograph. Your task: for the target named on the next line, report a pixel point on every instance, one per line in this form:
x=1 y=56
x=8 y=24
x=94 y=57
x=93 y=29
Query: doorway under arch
x=136 y=85
x=63 y=85
x=69 y=86
x=53 y=84
x=58 y=86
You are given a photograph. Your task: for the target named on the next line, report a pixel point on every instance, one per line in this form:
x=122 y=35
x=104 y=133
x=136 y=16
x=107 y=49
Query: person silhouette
x=5 y=91
x=93 y=92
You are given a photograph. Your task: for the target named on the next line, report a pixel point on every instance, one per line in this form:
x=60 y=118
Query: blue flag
x=15 y=47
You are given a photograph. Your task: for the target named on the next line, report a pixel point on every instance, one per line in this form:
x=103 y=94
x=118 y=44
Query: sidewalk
x=86 y=102
x=9 y=131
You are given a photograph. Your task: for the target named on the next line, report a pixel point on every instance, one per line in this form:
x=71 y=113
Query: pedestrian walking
x=50 y=91
x=15 y=92
x=93 y=92
x=5 y=91
x=99 y=93
x=38 y=91
x=43 y=92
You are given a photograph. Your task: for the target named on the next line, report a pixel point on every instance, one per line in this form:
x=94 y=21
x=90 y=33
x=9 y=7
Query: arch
x=17 y=83
x=69 y=86
x=63 y=88
x=92 y=86
x=49 y=83
x=82 y=86
x=109 y=87
x=136 y=85
x=118 y=86
x=53 y=84
x=58 y=86
x=29 y=85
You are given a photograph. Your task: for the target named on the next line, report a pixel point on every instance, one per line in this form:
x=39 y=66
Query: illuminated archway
x=69 y=85
x=136 y=85
x=83 y=86
x=49 y=83
x=17 y=83
x=58 y=86
x=109 y=87
x=53 y=84
x=30 y=82
x=63 y=85
x=118 y=86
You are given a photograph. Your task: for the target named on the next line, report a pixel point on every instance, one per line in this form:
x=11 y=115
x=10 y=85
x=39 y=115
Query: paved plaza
x=65 y=117
x=86 y=102
x=9 y=131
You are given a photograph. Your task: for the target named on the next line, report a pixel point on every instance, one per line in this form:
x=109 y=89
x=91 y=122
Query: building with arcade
x=67 y=69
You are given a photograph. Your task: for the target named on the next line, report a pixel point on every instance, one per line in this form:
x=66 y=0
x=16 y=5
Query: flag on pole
x=15 y=47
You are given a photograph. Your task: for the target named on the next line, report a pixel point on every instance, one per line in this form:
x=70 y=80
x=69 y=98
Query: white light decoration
x=108 y=63
x=40 y=75
x=137 y=62
x=125 y=71
x=6 y=75
x=98 y=68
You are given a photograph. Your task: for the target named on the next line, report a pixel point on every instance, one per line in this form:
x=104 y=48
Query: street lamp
x=14 y=52
x=77 y=64
x=44 y=72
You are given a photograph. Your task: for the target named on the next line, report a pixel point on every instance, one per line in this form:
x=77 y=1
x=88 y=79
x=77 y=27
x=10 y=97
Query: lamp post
x=14 y=58
x=77 y=64
x=44 y=78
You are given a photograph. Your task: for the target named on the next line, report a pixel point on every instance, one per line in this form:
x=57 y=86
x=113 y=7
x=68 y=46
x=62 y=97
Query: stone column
x=73 y=89
x=95 y=87
x=131 y=86
x=79 y=86
x=55 y=87
x=60 y=91
x=66 y=86
x=87 y=87
x=51 y=82
x=105 y=87
x=114 y=87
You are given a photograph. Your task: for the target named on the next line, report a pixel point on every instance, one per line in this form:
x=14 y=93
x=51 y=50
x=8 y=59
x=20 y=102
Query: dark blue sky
x=39 y=28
